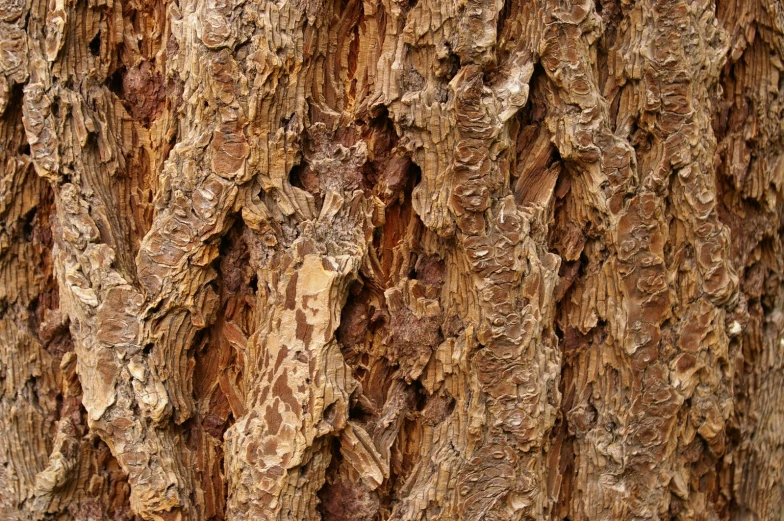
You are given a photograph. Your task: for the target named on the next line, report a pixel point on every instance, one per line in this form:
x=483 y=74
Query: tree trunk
x=391 y=260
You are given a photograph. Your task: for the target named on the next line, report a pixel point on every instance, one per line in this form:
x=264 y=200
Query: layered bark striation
x=390 y=260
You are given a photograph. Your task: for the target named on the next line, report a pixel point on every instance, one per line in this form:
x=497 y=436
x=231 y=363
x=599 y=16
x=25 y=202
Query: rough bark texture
x=402 y=260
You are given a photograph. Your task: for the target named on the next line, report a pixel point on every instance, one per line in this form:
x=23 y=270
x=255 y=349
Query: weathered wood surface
x=391 y=260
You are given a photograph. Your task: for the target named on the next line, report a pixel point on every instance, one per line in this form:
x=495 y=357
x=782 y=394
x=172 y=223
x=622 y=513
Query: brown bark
x=391 y=260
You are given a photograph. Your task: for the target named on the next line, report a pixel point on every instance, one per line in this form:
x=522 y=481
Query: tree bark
x=391 y=260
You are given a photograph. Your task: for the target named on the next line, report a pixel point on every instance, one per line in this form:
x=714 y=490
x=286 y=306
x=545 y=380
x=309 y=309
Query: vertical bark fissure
x=747 y=123
x=391 y=259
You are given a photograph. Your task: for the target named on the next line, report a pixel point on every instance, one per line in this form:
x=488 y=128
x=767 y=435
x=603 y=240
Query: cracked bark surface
x=391 y=260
